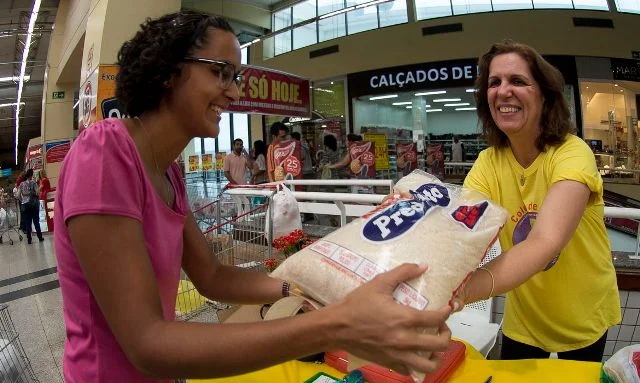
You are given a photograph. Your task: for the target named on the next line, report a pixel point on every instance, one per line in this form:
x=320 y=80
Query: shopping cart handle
x=261 y=186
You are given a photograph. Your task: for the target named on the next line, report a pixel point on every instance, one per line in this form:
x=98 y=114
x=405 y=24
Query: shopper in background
x=121 y=245
x=235 y=163
x=259 y=168
x=16 y=194
x=45 y=185
x=328 y=156
x=556 y=261
x=307 y=160
x=279 y=132
x=30 y=205
x=457 y=150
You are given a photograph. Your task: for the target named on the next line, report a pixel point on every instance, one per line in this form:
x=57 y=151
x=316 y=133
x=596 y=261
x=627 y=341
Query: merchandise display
x=444 y=226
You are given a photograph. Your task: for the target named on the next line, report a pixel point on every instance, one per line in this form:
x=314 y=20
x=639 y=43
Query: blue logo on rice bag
x=400 y=218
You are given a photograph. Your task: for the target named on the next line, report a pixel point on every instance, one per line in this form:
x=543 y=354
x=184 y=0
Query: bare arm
x=222 y=282
x=112 y=253
x=228 y=175
x=556 y=223
x=344 y=162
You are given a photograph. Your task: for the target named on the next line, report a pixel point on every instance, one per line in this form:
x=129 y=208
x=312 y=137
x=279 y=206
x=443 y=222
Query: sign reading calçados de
x=266 y=91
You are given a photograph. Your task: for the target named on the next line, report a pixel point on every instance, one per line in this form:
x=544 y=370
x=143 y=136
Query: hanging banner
x=435 y=160
x=87 y=102
x=407 y=158
x=207 y=162
x=266 y=91
x=286 y=160
x=380 y=148
x=363 y=160
x=194 y=163
x=220 y=160
x=33 y=157
x=55 y=151
x=98 y=97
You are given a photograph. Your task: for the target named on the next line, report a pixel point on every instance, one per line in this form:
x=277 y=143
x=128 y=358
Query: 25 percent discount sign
x=266 y=91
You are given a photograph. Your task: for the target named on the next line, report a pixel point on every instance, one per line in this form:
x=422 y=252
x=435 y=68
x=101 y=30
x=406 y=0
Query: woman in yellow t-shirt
x=556 y=264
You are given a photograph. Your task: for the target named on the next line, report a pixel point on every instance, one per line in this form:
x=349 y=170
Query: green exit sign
x=58 y=95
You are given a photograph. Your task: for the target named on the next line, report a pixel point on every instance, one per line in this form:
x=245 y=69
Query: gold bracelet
x=493 y=281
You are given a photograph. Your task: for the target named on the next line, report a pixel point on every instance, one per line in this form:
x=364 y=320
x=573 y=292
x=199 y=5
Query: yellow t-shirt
x=575 y=300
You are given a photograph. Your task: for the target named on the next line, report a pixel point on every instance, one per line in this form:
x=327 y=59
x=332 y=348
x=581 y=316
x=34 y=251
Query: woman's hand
x=380 y=330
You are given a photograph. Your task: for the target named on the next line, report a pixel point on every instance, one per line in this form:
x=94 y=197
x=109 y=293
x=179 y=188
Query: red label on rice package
x=363 y=159
x=286 y=160
x=407 y=158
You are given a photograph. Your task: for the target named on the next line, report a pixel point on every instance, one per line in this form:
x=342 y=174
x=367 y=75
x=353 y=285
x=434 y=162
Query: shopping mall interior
x=398 y=73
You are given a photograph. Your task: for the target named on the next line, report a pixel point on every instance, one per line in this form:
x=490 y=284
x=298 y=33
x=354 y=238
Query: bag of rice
x=447 y=227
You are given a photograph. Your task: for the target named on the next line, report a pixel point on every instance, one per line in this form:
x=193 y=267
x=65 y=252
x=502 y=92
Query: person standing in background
x=30 y=205
x=235 y=163
x=259 y=168
x=307 y=161
x=45 y=185
x=279 y=133
x=457 y=150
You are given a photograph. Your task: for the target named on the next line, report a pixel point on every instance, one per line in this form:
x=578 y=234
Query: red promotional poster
x=363 y=159
x=33 y=157
x=407 y=158
x=435 y=160
x=55 y=151
x=286 y=160
x=266 y=91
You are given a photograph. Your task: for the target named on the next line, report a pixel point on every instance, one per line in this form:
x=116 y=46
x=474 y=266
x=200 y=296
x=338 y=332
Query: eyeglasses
x=225 y=71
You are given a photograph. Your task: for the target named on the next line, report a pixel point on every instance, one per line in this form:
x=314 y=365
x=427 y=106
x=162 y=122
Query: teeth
x=509 y=109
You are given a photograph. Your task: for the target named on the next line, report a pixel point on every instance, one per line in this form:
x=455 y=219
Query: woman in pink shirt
x=125 y=231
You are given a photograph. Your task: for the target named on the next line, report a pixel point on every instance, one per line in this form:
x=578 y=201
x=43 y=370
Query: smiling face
x=197 y=95
x=514 y=97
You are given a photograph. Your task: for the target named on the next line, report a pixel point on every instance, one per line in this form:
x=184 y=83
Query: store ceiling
x=14 y=20
x=589 y=88
x=450 y=94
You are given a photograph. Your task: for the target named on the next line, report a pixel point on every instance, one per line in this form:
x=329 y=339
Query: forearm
x=237 y=285
x=510 y=270
x=246 y=347
x=229 y=178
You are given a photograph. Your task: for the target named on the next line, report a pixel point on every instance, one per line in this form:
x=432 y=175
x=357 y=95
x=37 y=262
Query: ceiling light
x=76 y=104
x=471 y=108
x=403 y=103
x=23 y=67
x=447 y=100
x=433 y=110
x=615 y=84
x=458 y=104
x=409 y=107
x=427 y=106
x=383 y=97
x=10 y=104
x=331 y=82
x=471 y=90
x=14 y=78
x=431 y=93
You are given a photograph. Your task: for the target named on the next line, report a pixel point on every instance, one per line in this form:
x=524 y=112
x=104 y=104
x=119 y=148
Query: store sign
x=58 y=95
x=414 y=77
x=98 y=97
x=625 y=69
x=265 y=91
x=55 y=151
x=33 y=157
x=381 y=150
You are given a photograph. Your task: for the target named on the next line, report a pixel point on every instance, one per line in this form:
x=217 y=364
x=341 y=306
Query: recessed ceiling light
x=433 y=110
x=383 y=97
x=471 y=108
x=471 y=90
x=431 y=93
x=403 y=103
x=409 y=107
x=447 y=100
x=615 y=84
x=458 y=104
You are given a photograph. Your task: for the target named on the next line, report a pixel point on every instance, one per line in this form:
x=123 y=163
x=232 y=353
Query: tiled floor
x=37 y=317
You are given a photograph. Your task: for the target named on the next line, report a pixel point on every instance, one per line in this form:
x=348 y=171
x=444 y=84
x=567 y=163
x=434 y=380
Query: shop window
x=630 y=6
x=241 y=129
x=327 y=6
x=209 y=145
x=393 y=13
x=506 y=5
x=304 y=36
x=329 y=98
x=461 y=7
x=282 y=42
x=332 y=27
x=557 y=4
x=282 y=19
x=197 y=145
x=598 y=5
x=303 y=11
x=430 y=9
x=361 y=19
x=224 y=137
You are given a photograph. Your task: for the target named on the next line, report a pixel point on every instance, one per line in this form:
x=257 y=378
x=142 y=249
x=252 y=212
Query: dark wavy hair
x=555 y=120
x=154 y=56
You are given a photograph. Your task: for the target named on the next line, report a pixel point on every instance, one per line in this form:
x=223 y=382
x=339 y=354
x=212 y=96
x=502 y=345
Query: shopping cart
x=235 y=231
x=9 y=218
x=15 y=367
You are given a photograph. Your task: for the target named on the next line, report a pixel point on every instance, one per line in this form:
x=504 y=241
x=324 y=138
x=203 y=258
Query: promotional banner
x=286 y=160
x=207 y=161
x=380 y=149
x=266 y=91
x=407 y=158
x=33 y=158
x=435 y=160
x=363 y=162
x=220 y=160
x=98 y=97
x=55 y=151
x=87 y=102
x=194 y=163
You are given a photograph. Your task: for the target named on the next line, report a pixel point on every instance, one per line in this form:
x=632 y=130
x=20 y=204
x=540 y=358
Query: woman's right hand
x=381 y=330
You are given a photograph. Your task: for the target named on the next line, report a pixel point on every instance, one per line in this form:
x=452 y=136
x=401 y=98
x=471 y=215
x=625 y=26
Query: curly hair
x=154 y=55
x=555 y=120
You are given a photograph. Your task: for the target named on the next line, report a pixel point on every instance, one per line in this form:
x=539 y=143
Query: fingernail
x=423 y=266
